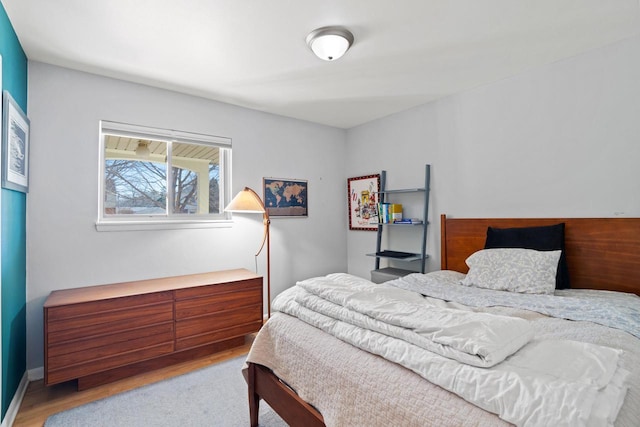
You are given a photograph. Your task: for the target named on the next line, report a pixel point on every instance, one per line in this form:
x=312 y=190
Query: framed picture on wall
x=285 y=197
x=15 y=145
x=363 y=202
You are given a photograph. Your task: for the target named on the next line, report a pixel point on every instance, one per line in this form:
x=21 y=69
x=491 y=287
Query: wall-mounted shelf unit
x=383 y=274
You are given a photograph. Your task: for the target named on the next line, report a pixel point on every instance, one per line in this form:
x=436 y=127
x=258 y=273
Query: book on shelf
x=396 y=211
x=383 y=211
x=389 y=212
x=408 y=221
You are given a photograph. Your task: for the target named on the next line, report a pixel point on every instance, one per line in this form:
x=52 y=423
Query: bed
x=310 y=377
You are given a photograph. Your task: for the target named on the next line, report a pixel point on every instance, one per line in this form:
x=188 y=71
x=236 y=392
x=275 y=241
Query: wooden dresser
x=99 y=334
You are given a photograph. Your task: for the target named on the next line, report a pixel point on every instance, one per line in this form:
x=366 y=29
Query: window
x=160 y=178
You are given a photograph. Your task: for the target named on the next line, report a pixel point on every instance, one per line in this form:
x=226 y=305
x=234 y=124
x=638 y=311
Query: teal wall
x=13 y=223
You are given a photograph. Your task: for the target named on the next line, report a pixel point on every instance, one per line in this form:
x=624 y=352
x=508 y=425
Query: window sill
x=160 y=225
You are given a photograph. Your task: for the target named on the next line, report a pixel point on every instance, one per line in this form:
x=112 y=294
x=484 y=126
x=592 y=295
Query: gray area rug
x=212 y=396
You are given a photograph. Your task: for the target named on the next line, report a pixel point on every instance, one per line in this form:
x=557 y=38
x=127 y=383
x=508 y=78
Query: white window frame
x=168 y=220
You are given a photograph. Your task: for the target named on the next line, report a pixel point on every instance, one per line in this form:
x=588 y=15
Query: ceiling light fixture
x=142 y=150
x=330 y=43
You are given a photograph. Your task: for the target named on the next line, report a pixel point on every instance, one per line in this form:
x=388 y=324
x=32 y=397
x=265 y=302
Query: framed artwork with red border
x=363 y=202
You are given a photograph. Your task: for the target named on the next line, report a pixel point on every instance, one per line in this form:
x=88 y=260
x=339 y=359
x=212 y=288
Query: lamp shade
x=330 y=43
x=246 y=201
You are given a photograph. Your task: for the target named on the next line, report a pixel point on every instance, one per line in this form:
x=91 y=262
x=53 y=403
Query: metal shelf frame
x=422 y=256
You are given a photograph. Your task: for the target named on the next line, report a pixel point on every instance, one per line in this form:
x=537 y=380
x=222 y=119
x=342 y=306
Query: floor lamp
x=248 y=201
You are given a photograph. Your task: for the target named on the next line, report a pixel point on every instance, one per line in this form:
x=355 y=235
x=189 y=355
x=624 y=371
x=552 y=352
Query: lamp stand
x=248 y=201
x=267 y=224
x=266 y=238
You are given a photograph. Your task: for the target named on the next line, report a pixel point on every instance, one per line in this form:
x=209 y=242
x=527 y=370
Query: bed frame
x=602 y=253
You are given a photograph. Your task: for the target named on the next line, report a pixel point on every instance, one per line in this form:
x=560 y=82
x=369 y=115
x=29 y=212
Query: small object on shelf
x=394 y=254
x=408 y=221
x=389 y=213
x=383 y=213
x=396 y=212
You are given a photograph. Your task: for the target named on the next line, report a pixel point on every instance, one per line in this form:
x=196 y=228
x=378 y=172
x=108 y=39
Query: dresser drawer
x=161 y=332
x=218 y=302
x=209 y=290
x=221 y=320
x=98 y=306
x=95 y=366
x=100 y=348
x=217 y=335
x=108 y=322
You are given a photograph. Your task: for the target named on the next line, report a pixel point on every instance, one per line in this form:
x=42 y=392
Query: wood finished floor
x=40 y=402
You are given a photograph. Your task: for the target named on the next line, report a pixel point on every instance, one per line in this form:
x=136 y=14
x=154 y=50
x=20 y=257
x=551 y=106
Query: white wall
x=64 y=250
x=560 y=140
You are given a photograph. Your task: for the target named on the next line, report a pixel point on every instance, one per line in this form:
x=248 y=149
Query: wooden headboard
x=602 y=253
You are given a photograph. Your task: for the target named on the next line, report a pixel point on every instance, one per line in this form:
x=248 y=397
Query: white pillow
x=515 y=270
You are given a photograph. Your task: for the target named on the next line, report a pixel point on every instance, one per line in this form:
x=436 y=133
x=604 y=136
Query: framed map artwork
x=285 y=197
x=363 y=202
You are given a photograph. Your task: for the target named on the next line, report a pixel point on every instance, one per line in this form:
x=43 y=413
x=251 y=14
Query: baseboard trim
x=36 y=374
x=12 y=411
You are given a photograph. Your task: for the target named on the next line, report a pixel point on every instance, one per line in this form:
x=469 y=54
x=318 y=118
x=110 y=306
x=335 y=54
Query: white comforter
x=545 y=383
x=477 y=339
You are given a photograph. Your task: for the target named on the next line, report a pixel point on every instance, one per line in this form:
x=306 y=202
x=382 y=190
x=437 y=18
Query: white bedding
x=352 y=387
x=477 y=339
x=614 y=309
x=547 y=382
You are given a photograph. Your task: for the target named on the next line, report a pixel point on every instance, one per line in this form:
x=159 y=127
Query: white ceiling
x=252 y=53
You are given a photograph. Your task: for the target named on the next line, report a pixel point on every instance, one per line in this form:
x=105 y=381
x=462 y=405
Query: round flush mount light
x=330 y=43
x=142 y=150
